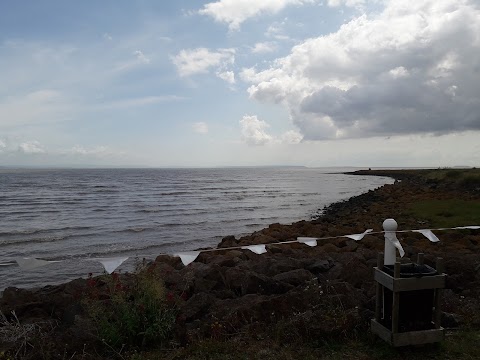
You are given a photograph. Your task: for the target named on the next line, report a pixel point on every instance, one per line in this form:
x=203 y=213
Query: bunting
x=428 y=234
x=111 y=264
x=358 y=237
x=28 y=263
x=392 y=237
x=257 y=249
x=307 y=241
x=188 y=257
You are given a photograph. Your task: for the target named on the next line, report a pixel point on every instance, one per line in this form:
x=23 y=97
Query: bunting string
x=110 y=264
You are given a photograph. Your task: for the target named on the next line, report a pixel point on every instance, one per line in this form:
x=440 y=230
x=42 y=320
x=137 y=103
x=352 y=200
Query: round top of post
x=390 y=225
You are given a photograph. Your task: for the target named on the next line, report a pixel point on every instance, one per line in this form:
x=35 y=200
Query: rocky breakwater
x=293 y=291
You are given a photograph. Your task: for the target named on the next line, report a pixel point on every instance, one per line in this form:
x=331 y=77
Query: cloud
x=413 y=68
x=107 y=37
x=291 y=137
x=276 y=31
x=141 y=57
x=347 y=3
x=40 y=106
x=142 y=101
x=228 y=76
x=235 y=12
x=3 y=145
x=200 y=127
x=253 y=131
x=264 y=47
x=31 y=147
x=93 y=151
x=201 y=60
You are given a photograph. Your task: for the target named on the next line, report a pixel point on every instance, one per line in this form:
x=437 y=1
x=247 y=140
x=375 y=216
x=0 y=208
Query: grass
x=457 y=345
x=462 y=177
x=448 y=213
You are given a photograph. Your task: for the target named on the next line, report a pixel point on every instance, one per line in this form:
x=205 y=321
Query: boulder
x=249 y=282
x=228 y=241
x=197 y=306
x=295 y=277
x=321 y=266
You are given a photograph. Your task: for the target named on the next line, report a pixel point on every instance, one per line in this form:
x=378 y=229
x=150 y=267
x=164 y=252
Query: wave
x=43 y=231
x=134 y=229
x=4 y=243
x=127 y=250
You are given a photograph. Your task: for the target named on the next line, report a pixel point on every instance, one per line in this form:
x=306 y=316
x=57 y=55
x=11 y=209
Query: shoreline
x=293 y=287
x=238 y=222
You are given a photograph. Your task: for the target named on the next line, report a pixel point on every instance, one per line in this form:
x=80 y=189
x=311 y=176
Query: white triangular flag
x=428 y=234
x=188 y=256
x=475 y=227
x=257 y=249
x=110 y=264
x=307 y=241
x=392 y=237
x=31 y=263
x=358 y=237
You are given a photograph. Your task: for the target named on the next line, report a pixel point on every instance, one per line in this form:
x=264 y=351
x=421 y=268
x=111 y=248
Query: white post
x=390 y=252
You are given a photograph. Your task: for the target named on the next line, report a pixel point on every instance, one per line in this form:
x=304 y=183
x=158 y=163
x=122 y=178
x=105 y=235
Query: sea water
x=71 y=215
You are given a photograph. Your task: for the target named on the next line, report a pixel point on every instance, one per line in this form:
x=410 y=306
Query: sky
x=184 y=83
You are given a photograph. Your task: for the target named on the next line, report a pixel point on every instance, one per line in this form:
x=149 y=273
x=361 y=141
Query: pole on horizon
x=390 y=252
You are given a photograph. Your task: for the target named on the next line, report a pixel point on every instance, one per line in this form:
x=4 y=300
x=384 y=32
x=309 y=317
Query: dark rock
x=450 y=320
x=321 y=266
x=197 y=306
x=295 y=277
x=249 y=282
x=350 y=246
x=228 y=241
x=174 y=261
x=273 y=266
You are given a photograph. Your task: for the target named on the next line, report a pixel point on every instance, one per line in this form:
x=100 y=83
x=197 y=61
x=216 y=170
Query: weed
x=139 y=313
x=20 y=336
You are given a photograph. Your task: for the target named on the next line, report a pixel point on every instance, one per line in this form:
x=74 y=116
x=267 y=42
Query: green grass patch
x=462 y=177
x=448 y=213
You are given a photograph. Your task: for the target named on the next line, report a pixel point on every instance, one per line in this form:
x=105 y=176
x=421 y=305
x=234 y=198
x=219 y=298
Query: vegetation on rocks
x=130 y=314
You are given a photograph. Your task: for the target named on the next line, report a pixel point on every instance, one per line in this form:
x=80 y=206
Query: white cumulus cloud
x=235 y=12
x=264 y=47
x=228 y=76
x=201 y=60
x=253 y=130
x=291 y=137
x=413 y=68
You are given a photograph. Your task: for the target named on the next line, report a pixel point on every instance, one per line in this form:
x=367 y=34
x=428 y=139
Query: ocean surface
x=75 y=214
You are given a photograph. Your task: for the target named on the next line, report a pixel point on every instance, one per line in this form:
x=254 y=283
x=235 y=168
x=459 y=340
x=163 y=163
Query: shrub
x=129 y=314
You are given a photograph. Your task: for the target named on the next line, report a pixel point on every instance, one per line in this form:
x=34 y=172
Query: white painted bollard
x=389 y=225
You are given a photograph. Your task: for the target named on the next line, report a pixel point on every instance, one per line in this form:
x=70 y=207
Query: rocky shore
x=293 y=291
